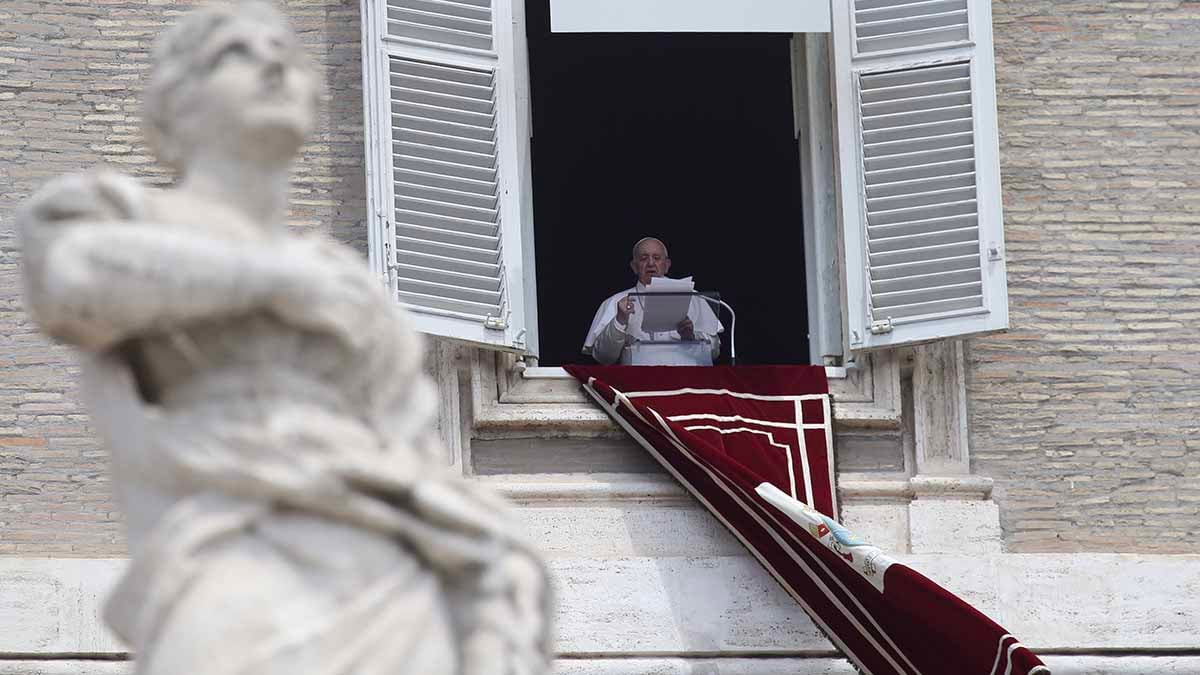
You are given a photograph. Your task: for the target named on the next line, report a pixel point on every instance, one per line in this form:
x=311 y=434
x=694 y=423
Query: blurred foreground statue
x=288 y=506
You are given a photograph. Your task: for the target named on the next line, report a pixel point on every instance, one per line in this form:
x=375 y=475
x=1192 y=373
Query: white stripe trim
x=770 y=439
x=787 y=533
x=649 y=447
x=825 y=398
x=739 y=418
x=808 y=491
x=999 y=653
x=1011 y=648
x=791 y=552
x=827 y=419
x=799 y=426
x=727 y=392
x=621 y=398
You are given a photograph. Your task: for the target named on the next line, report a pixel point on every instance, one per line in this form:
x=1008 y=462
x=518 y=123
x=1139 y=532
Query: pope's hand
x=624 y=309
x=686 y=330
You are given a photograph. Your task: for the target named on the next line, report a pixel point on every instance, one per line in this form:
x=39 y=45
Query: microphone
x=715 y=297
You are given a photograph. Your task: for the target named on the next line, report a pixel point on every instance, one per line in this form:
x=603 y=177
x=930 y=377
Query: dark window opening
x=686 y=137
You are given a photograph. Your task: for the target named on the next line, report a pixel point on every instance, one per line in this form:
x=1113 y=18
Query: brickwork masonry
x=71 y=73
x=1087 y=413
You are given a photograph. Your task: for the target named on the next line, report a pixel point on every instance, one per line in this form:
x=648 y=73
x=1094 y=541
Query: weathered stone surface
x=1087 y=413
x=66 y=667
x=618 y=530
x=955 y=527
x=717 y=604
x=881 y=524
x=52 y=606
x=1061 y=665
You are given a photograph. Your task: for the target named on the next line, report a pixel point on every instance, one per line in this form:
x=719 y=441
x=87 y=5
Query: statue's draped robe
x=289 y=507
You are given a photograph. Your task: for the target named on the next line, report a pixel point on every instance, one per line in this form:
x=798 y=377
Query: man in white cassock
x=618 y=321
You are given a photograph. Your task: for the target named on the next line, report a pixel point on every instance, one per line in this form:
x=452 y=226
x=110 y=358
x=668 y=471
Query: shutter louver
x=918 y=157
x=463 y=23
x=444 y=191
x=886 y=25
x=922 y=227
x=445 y=173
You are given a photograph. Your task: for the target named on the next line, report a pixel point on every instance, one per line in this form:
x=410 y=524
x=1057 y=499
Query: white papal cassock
x=607 y=339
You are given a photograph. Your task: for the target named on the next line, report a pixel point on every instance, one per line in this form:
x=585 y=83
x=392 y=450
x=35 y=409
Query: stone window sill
x=558 y=373
x=508 y=396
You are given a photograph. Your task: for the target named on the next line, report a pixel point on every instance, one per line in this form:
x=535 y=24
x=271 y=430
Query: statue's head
x=230 y=81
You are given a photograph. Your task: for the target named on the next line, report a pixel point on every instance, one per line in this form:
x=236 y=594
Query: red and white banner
x=754 y=445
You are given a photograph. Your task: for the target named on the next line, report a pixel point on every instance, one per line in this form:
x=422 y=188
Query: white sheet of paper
x=663 y=313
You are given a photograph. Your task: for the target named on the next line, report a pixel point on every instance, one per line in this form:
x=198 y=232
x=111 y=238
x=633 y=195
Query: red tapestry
x=754 y=445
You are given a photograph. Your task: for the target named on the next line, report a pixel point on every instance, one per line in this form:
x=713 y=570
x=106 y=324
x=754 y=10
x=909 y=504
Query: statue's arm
x=98 y=283
x=96 y=274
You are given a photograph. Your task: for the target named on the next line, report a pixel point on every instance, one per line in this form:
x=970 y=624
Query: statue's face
x=255 y=96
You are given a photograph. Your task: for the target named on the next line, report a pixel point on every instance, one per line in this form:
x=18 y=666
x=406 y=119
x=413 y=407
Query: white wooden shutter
x=442 y=165
x=918 y=168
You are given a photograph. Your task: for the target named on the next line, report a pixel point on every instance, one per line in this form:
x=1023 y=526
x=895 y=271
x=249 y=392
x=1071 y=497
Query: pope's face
x=650 y=261
x=254 y=97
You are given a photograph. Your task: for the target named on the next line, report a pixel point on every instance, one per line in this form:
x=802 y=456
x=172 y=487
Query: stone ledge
x=951 y=487
x=541 y=488
x=585 y=488
x=65 y=666
x=648 y=606
x=1073 y=664
x=546 y=399
x=1058 y=664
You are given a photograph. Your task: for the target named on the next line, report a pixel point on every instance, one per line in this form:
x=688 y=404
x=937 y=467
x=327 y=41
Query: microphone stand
x=711 y=297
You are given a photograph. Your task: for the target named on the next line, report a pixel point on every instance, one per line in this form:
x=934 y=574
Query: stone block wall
x=1087 y=413
x=71 y=74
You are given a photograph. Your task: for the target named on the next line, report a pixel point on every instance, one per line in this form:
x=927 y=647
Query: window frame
x=811 y=82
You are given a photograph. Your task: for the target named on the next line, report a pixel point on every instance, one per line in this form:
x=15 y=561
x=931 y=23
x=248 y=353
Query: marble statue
x=287 y=506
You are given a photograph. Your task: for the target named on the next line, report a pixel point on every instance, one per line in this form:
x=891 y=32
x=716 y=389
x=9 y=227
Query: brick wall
x=71 y=73
x=1088 y=412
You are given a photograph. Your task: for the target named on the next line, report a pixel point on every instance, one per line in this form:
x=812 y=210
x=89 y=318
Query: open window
x=689 y=137
x=914 y=221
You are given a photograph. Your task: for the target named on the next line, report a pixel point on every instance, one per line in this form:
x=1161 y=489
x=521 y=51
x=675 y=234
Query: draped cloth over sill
x=753 y=445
